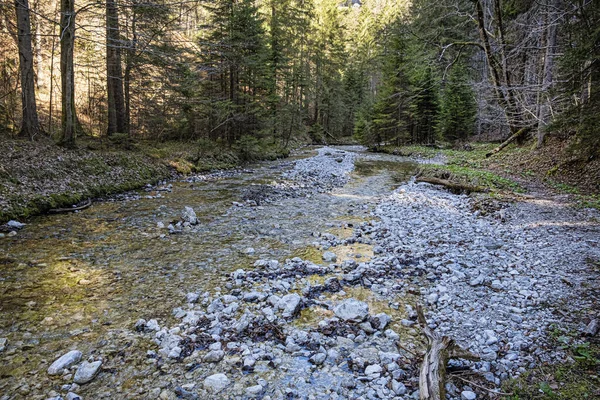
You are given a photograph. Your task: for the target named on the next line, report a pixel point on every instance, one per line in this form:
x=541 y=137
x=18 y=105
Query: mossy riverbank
x=38 y=176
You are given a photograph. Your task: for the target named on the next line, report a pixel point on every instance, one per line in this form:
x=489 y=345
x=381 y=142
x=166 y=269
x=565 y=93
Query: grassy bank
x=38 y=176
x=516 y=168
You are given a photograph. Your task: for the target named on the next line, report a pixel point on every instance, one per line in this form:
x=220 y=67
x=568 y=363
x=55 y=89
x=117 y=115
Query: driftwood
x=453 y=186
x=87 y=204
x=433 y=369
x=518 y=134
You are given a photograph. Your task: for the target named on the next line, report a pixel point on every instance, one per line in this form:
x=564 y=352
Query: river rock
x=87 y=371
x=214 y=356
x=318 y=358
x=253 y=391
x=15 y=224
x=217 y=382
x=468 y=395
x=381 y=321
x=398 y=388
x=290 y=304
x=3 y=343
x=64 y=361
x=373 y=371
x=73 y=396
x=192 y=297
x=189 y=215
x=329 y=256
x=352 y=310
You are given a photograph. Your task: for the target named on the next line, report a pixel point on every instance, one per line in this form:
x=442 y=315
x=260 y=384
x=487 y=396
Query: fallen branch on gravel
x=433 y=369
x=453 y=186
x=492 y=391
x=87 y=204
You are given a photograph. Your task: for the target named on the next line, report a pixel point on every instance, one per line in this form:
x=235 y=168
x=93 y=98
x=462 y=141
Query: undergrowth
x=576 y=380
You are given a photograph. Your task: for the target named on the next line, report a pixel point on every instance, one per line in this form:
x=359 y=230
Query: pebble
x=64 y=361
x=217 y=382
x=329 y=256
x=468 y=395
x=86 y=372
x=352 y=310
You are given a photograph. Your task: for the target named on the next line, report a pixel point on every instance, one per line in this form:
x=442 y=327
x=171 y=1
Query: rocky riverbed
x=302 y=284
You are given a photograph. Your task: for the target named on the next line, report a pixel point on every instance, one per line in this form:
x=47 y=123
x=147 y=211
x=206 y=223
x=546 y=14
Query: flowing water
x=81 y=280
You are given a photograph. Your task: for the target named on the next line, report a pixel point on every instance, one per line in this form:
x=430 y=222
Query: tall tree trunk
x=498 y=71
x=38 y=46
x=67 y=72
x=30 y=126
x=129 y=64
x=547 y=77
x=117 y=120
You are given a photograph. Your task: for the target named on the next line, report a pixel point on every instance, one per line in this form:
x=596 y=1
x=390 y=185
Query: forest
x=254 y=72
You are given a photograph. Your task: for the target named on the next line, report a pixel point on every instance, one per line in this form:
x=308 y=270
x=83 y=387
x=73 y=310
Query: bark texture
x=67 y=72
x=30 y=126
x=117 y=120
x=433 y=369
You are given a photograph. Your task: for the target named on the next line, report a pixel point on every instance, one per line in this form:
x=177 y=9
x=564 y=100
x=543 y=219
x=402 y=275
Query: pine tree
x=458 y=108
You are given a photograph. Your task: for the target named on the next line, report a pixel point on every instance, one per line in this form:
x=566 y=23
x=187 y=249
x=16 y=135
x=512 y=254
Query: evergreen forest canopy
x=231 y=71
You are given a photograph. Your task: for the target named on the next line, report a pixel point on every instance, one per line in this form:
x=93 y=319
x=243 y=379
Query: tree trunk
x=498 y=71
x=38 y=46
x=67 y=72
x=129 y=64
x=30 y=126
x=547 y=77
x=117 y=120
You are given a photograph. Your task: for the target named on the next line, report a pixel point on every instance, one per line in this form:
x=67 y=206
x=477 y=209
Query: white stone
x=352 y=310
x=64 y=361
x=468 y=395
x=217 y=382
x=86 y=372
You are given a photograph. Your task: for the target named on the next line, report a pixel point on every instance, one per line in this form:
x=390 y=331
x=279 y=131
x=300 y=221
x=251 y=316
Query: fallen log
x=87 y=204
x=453 y=186
x=518 y=134
x=433 y=369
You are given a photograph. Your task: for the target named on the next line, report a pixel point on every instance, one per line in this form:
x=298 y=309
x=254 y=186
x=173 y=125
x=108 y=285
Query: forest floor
x=298 y=278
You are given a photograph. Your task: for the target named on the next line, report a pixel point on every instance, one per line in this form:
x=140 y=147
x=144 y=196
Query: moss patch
x=579 y=379
x=470 y=176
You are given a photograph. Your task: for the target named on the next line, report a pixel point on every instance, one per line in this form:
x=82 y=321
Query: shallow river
x=81 y=280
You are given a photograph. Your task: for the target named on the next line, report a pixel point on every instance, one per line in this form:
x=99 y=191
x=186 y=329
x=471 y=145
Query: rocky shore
x=343 y=325
x=492 y=283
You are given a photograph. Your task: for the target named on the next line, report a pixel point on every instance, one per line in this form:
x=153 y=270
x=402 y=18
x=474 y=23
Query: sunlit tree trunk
x=30 y=126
